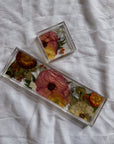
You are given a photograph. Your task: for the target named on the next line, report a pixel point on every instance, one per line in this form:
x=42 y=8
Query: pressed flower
x=33 y=85
x=82 y=115
x=15 y=71
x=22 y=66
x=50 y=81
x=80 y=91
x=82 y=109
x=49 y=36
x=25 y=61
x=51 y=49
x=95 y=99
x=62 y=51
x=58 y=99
x=50 y=43
x=78 y=113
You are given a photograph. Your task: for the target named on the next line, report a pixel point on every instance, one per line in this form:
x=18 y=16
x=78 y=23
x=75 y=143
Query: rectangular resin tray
x=55 y=42
x=67 y=95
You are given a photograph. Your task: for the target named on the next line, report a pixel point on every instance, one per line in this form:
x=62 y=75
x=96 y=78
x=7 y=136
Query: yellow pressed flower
x=57 y=98
x=50 y=52
x=50 y=43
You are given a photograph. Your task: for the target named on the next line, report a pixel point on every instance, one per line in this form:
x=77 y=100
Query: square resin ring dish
x=56 y=42
x=53 y=87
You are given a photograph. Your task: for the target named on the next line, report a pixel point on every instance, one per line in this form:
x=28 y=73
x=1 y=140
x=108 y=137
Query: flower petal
x=51 y=76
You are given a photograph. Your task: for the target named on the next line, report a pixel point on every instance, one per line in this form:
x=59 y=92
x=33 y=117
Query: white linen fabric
x=91 y=24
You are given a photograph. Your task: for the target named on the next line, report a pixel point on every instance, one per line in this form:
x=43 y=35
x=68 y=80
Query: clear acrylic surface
x=54 y=87
x=56 y=42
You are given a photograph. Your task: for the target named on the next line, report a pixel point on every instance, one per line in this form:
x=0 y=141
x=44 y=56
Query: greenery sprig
x=61 y=43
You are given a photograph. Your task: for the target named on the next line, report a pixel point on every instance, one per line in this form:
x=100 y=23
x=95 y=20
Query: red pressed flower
x=49 y=82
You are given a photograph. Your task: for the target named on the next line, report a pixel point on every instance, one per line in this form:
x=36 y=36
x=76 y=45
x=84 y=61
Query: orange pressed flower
x=95 y=99
x=62 y=51
x=25 y=61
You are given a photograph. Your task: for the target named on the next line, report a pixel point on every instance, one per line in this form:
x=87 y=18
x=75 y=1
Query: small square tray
x=56 y=42
x=54 y=87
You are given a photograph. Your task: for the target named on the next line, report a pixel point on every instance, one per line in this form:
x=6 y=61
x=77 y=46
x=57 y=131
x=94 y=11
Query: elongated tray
x=54 y=87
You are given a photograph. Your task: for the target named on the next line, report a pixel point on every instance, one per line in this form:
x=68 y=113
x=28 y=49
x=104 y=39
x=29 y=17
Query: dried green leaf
x=10 y=72
x=61 y=43
x=33 y=78
x=27 y=81
x=28 y=86
x=95 y=108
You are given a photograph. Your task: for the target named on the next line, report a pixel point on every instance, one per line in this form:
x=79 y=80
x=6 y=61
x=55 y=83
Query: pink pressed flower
x=50 y=43
x=49 y=82
x=49 y=36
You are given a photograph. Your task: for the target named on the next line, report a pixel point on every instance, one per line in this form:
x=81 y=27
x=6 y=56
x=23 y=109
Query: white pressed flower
x=33 y=86
x=81 y=107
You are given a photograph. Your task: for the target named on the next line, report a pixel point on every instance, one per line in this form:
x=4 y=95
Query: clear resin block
x=54 y=87
x=56 y=42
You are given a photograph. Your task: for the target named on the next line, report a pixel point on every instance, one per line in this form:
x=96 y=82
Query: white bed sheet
x=91 y=24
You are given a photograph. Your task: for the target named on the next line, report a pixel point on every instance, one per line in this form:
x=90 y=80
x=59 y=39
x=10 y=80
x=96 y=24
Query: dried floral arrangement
x=53 y=85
